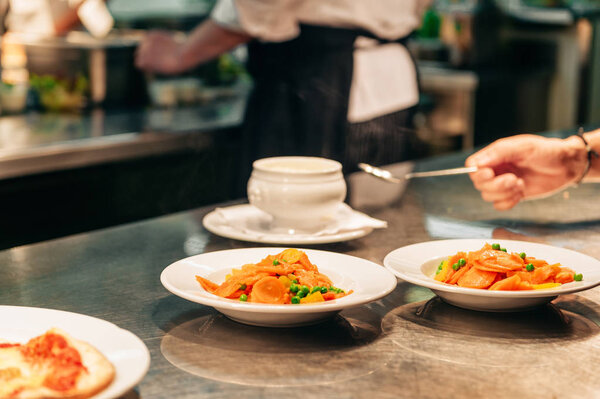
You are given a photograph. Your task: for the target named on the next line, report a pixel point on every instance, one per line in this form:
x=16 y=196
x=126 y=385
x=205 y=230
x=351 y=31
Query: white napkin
x=252 y=220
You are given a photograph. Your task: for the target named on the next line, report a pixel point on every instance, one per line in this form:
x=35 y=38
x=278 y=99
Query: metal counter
x=410 y=344
x=34 y=142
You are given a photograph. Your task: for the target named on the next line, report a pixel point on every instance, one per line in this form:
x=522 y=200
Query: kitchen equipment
x=107 y=63
x=387 y=176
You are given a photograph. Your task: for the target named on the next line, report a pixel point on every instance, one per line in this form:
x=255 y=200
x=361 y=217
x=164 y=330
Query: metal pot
x=107 y=63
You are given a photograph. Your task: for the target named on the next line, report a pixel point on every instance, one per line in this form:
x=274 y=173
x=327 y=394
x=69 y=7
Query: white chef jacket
x=384 y=78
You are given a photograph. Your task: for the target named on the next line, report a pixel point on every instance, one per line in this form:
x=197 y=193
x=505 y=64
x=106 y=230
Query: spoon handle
x=442 y=172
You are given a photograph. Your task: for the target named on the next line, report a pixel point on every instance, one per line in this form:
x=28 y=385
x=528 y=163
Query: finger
x=508 y=203
x=502 y=195
x=502 y=183
x=481 y=177
x=500 y=151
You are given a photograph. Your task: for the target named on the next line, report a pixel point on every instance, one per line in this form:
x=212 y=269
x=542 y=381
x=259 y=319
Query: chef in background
x=332 y=77
x=58 y=17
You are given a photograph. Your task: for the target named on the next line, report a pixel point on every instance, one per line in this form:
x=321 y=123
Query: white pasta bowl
x=417 y=264
x=368 y=281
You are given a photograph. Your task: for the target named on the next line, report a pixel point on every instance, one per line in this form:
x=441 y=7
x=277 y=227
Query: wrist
x=575 y=158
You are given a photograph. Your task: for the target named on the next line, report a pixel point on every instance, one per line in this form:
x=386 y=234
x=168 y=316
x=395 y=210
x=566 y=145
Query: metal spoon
x=387 y=175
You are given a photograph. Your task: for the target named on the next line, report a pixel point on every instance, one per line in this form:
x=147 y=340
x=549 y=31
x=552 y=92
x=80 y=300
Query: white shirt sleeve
x=225 y=14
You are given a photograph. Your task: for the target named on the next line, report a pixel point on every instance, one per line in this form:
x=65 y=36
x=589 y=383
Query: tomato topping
x=64 y=360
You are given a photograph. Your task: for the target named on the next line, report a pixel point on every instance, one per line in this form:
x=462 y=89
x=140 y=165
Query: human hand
x=526 y=166
x=160 y=52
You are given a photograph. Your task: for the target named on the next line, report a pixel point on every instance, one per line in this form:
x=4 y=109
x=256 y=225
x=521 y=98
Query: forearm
x=207 y=41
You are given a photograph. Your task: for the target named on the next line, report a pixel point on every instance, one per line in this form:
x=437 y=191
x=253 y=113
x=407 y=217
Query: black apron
x=299 y=104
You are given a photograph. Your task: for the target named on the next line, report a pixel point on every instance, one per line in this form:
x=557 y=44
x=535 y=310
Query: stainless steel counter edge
x=97 y=150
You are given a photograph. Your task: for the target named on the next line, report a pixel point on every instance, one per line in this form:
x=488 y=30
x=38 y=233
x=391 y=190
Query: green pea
x=303 y=291
x=522 y=255
x=529 y=267
x=243 y=287
x=503 y=249
x=295 y=299
x=323 y=290
x=455 y=266
x=275 y=262
x=243 y=297
x=294 y=288
x=578 y=277
x=295 y=281
x=462 y=262
x=495 y=246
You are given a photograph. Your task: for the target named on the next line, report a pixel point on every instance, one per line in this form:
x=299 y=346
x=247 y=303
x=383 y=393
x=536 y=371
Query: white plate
x=125 y=351
x=417 y=264
x=254 y=226
x=368 y=280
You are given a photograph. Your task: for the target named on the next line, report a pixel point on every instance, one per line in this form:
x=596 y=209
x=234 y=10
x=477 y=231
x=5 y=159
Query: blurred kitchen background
x=89 y=141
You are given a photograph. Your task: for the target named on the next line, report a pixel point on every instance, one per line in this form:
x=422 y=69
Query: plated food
x=361 y=280
x=495 y=268
x=284 y=278
x=53 y=365
x=127 y=353
x=419 y=263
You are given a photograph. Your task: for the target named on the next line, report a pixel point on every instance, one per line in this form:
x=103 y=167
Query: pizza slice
x=53 y=365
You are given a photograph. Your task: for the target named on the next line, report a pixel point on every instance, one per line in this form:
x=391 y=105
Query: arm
x=67 y=22
x=528 y=166
x=160 y=52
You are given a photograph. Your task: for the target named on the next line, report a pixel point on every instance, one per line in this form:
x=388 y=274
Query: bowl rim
x=331 y=165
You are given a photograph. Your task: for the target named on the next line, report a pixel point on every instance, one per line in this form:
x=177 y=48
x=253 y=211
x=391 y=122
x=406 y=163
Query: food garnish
x=494 y=268
x=286 y=278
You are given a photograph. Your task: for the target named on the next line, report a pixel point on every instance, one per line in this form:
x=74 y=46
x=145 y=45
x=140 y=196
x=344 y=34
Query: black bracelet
x=590 y=154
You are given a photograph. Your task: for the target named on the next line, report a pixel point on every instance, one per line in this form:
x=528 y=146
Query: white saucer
x=247 y=223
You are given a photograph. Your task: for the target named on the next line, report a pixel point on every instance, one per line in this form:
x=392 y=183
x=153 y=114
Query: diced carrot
x=544 y=274
x=306 y=263
x=451 y=261
x=508 y=284
x=475 y=278
x=459 y=274
x=207 y=284
x=525 y=285
x=564 y=277
x=535 y=262
x=328 y=296
x=269 y=290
